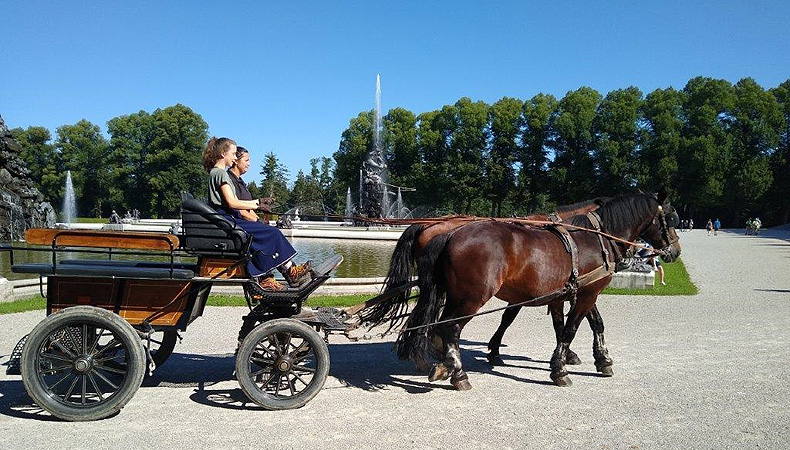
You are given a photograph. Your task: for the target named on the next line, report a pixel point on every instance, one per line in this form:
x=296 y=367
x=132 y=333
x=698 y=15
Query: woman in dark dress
x=270 y=248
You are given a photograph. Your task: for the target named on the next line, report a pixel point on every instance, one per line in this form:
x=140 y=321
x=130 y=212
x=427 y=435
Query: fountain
x=373 y=195
x=374 y=187
x=349 y=212
x=21 y=205
x=69 y=213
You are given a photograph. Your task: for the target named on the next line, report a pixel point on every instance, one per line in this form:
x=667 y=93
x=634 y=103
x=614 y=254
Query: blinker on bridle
x=664 y=224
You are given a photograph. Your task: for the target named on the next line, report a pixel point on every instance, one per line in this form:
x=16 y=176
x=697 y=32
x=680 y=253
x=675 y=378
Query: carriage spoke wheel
x=282 y=364
x=82 y=363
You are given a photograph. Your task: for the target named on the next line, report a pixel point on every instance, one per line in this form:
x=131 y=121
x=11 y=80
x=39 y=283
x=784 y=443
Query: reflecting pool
x=363 y=258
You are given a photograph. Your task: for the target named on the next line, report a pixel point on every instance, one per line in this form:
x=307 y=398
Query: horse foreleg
x=603 y=363
x=451 y=366
x=496 y=340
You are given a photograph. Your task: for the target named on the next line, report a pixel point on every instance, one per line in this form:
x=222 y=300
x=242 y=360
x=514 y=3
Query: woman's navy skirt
x=269 y=247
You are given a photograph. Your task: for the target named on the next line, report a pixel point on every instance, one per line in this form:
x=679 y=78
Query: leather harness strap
x=575 y=281
x=572 y=285
x=595 y=219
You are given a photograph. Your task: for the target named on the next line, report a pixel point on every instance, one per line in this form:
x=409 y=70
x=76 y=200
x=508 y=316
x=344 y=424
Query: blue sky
x=287 y=77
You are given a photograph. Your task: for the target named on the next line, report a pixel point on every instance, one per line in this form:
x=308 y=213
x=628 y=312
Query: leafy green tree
x=254 y=189
x=467 y=151
x=156 y=156
x=572 y=170
x=85 y=151
x=400 y=137
x=539 y=114
x=616 y=135
x=174 y=164
x=505 y=120
x=130 y=142
x=705 y=149
x=660 y=141
x=780 y=159
x=332 y=192
x=756 y=126
x=43 y=161
x=306 y=194
x=275 y=179
x=434 y=133
x=355 y=142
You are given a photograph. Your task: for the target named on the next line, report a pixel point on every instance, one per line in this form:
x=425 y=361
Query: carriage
x=110 y=321
x=85 y=360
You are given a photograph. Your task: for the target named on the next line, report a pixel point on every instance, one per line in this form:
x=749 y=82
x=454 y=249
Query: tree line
x=721 y=149
x=148 y=159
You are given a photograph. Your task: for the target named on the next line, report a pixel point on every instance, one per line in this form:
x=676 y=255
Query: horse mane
x=618 y=212
x=579 y=205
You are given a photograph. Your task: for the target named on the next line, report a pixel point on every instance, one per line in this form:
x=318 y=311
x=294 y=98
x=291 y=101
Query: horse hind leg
x=496 y=340
x=451 y=366
x=421 y=364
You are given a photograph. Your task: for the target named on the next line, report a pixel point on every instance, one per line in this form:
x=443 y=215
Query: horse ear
x=662 y=195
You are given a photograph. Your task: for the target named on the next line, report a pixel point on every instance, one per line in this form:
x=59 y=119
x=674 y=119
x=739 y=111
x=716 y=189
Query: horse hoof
x=461 y=385
x=438 y=372
x=495 y=360
x=572 y=359
x=563 y=381
x=606 y=371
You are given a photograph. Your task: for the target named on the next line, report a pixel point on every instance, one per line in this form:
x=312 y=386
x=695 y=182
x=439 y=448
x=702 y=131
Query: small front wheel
x=82 y=363
x=282 y=364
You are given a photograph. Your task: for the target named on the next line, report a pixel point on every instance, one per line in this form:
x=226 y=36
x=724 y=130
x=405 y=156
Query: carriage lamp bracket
x=146 y=336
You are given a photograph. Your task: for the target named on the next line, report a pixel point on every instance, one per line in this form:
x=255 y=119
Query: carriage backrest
x=205 y=230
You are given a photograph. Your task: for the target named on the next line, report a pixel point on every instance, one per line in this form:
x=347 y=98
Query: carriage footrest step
x=13 y=364
x=332 y=319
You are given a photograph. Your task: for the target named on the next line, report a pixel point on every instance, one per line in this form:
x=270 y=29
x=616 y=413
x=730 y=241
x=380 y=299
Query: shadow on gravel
x=234 y=399
x=773 y=290
x=374 y=366
x=14 y=402
x=189 y=370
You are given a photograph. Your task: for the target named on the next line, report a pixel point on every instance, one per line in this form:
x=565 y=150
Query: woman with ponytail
x=270 y=248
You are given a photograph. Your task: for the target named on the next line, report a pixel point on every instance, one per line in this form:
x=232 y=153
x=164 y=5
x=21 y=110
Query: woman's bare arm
x=230 y=199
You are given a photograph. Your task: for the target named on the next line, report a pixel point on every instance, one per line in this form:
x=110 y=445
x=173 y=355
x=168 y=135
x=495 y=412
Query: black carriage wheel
x=162 y=344
x=82 y=363
x=282 y=364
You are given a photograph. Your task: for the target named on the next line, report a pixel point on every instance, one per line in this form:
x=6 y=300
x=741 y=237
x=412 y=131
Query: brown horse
x=416 y=238
x=460 y=271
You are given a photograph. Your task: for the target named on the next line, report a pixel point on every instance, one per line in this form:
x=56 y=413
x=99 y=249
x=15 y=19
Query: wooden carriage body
x=100 y=310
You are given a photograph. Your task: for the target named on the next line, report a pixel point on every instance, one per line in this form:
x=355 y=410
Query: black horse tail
x=402 y=268
x=415 y=344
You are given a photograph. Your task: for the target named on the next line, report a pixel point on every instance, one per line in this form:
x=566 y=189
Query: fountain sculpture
x=374 y=188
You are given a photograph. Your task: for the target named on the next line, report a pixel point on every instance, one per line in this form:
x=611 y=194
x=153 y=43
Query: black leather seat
x=207 y=231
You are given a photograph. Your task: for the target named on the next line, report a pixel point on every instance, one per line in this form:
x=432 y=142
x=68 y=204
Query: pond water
x=363 y=258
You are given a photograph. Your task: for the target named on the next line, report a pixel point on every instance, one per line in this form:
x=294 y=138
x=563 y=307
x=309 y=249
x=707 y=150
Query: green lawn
x=675 y=274
x=676 y=277
x=92 y=220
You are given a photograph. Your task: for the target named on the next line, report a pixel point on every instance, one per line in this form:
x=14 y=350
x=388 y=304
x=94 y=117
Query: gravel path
x=708 y=371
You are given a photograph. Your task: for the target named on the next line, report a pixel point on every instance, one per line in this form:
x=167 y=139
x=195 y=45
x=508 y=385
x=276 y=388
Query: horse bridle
x=665 y=222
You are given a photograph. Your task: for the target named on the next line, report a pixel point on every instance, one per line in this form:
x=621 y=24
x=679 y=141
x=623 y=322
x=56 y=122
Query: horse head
x=660 y=231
